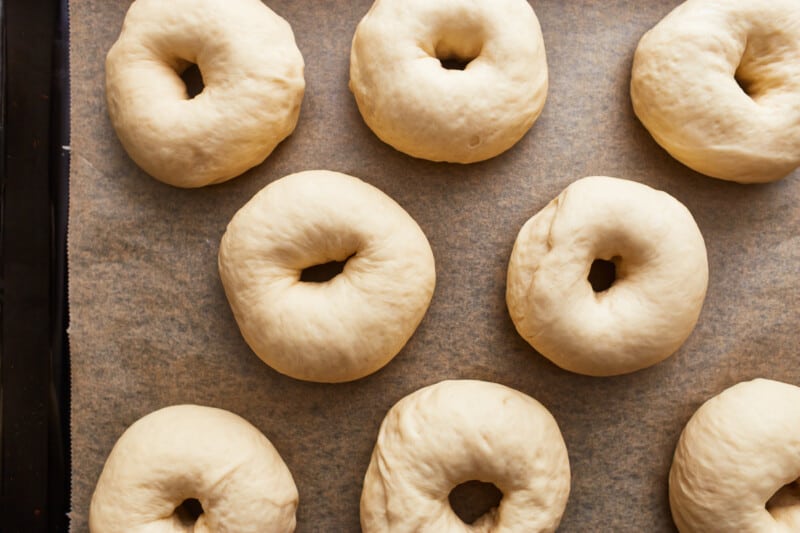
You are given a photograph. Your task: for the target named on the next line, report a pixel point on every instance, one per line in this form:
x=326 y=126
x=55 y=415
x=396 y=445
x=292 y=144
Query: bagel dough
x=412 y=102
x=192 y=452
x=654 y=301
x=356 y=322
x=456 y=431
x=737 y=463
x=717 y=84
x=253 y=77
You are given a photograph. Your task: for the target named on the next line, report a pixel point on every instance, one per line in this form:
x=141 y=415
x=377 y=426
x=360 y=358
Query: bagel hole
x=454 y=63
x=189 y=511
x=473 y=499
x=603 y=274
x=193 y=79
x=786 y=496
x=458 y=49
x=323 y=272
x=744 y=84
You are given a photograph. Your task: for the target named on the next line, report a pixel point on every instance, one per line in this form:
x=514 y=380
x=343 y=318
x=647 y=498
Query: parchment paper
x=150 y=325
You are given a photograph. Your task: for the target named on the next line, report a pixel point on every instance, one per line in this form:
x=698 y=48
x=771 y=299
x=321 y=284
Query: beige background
x=150 y=325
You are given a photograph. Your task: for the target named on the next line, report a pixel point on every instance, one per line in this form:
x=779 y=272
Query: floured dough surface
x=344 y=328
x=737 y=463
x=253 y=82
x=415 y=104
x=717 y=84
x=456 y=431
x=654 y=301
x=193 y=452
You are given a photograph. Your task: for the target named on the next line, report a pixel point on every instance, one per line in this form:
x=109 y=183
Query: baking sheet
x=150 y=325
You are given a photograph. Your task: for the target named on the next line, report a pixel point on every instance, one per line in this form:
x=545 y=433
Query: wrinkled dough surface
x=717 y=84
x=344 y=328
x=737 y=463
x=655 y=300
x=253 y=85
x=455 y=431
x=189 y=451
x=411 y=102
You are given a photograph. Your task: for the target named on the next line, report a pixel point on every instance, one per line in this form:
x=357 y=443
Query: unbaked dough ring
x=684 y=87
x=191 y=452
x=344 y=328
x=419 y=107
x=456 y=431
x=737 y=463
x=253 y=76
x=654 y=301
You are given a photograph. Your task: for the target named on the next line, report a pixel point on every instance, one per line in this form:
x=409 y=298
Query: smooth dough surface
x=652 y=305
x=253 y=86
x=189 y=451
x=456 y=431
x=737 y=463
x=411 y=102
x=356 y=322
x=717 y=84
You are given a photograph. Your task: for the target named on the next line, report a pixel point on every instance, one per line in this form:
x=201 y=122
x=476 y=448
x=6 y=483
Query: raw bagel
x=654 y=301
x=419 y=107
x=737 y=463
x=192 y=452
x=717 y=84
x=253 y=76
x=456 y=431
x=356 y=322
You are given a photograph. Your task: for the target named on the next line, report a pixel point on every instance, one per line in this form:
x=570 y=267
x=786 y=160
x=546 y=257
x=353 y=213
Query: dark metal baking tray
x=34 y=367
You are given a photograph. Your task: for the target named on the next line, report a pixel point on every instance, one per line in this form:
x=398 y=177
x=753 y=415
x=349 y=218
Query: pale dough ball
x=191 y=452
x=717 y=84
x=344 y=328
x=415 y=104
x=661 y=275
x=253 y=85
x=456 y=431
x=737 y=463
